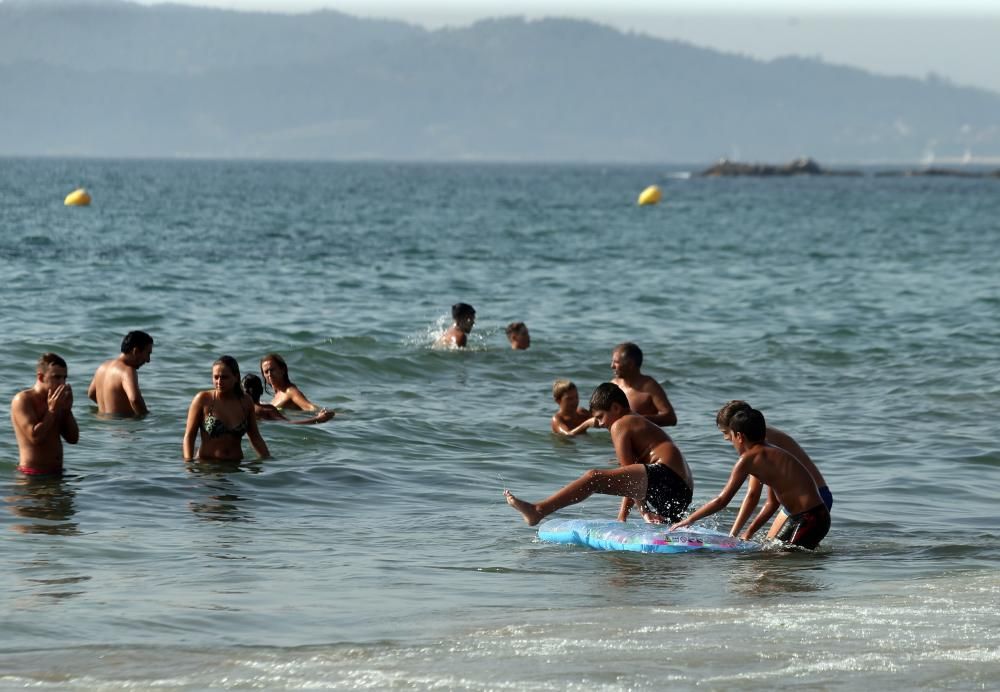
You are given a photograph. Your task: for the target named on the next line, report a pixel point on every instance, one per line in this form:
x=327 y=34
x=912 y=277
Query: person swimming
x=255 y=389
x=457 y=335
x=286 y=394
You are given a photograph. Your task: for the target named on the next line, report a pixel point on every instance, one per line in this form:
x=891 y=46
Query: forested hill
x=111 y=78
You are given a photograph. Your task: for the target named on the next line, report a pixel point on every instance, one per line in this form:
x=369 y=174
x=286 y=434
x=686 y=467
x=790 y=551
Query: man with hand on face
x=42 y=417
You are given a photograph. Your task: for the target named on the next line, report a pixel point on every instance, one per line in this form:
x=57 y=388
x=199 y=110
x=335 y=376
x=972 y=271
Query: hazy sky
x=957 y=39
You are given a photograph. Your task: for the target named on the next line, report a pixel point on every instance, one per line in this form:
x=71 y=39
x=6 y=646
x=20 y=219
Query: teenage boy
x=651 y=470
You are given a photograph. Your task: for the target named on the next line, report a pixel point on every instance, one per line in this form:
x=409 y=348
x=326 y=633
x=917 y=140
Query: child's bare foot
x=527 y=510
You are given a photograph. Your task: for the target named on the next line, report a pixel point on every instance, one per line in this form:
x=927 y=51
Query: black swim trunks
x=666 y=493
x=806 y=529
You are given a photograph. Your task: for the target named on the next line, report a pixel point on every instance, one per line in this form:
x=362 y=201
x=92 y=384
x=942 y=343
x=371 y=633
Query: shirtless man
x=115 y=387
x=778 y=439
x=645 y=395
x=42 y=417
x=651 y=470
x=457 y=335
x=809 y=519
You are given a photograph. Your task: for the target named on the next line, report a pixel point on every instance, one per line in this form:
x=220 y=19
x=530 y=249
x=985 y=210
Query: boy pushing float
x=808 y=518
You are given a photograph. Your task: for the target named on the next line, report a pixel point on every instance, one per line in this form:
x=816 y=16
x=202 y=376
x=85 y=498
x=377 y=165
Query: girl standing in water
x=224 y=415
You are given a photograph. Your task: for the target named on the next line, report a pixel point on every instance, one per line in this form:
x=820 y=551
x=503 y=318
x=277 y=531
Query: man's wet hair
x=459 y=310
x=630 y=352
x=750 y=423
x=606 y=394
x=726 y=413
x=136 y=339
x=47 y=360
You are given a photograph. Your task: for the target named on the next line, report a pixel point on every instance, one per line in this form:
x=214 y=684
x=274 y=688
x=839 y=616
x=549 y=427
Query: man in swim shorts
x=782 y=473
x=645 y=395
x=42 y=417
x=115 y=386
x=651 y=470
x=787 y=443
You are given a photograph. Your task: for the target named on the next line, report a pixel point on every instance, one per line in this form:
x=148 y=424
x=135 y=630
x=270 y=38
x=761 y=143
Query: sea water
x=376 y=551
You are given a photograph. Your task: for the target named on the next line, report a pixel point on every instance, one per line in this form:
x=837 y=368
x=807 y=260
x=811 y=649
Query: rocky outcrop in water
x=806 y=166
x=726 y=168
x=938 y=173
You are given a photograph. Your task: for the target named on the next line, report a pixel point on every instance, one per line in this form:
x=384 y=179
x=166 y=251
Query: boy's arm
x=766 y=512
x=625 y=453
x=736 y=479
x=323 y=416
x=559 y=427
x=750 y=501
x=623 y=511
x=562 y=429
x=582 y=428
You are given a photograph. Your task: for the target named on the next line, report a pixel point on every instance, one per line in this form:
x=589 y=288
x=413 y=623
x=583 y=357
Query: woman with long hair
x=286 y=394
x=223 y=415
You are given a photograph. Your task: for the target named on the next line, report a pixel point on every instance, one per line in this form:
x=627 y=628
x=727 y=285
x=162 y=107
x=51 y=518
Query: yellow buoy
x=78 y=198
x=651 y=195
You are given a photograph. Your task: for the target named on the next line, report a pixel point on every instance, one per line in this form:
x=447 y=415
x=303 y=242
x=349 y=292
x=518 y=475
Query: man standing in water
x=115 y=387
x=645 y=395
x=42 y=417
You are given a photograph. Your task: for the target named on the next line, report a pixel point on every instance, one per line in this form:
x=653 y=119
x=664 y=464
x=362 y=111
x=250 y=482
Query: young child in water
x=518 y=336
x=570 y=419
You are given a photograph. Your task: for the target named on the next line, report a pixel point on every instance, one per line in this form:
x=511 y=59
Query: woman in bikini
x=286 y=393
x=223 y=415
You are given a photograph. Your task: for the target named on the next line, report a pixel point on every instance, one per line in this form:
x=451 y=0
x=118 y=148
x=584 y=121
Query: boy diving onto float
x=652 y=472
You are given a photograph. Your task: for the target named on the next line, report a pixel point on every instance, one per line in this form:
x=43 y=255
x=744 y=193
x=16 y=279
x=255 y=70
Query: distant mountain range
x=111 y=78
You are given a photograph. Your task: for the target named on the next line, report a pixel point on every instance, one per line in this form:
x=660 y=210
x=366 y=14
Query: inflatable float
x=603 y=534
